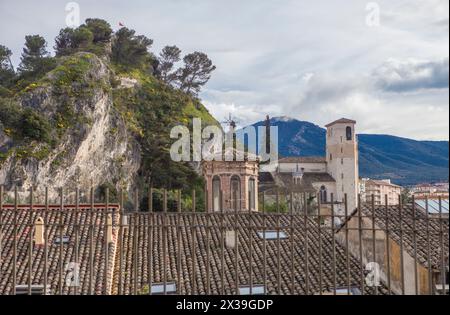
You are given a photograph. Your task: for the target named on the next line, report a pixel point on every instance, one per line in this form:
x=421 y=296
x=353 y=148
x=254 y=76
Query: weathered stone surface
x=96 y=151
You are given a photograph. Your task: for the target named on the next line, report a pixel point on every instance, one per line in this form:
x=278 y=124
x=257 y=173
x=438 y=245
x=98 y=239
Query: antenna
x=230 y=121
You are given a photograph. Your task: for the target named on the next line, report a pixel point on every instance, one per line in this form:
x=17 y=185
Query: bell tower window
x=252 y=194
x=348 y=133
x=323 y=194
x=235 y=193
x=216 y=194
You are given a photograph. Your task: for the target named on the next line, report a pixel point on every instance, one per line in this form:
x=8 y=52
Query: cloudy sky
x=311 y=60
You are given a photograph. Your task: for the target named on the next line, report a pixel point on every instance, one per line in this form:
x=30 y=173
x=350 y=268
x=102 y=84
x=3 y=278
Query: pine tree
x=195 y=73
x=167 y=59
x=36 y=60
x=7 y=73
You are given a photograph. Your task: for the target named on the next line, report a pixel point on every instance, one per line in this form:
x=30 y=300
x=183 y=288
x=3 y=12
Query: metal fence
x=91 y=246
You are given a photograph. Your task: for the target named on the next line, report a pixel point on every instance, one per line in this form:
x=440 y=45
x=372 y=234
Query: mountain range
x=404 y=161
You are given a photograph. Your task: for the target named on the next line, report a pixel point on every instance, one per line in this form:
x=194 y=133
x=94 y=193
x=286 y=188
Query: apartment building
x=380 y=189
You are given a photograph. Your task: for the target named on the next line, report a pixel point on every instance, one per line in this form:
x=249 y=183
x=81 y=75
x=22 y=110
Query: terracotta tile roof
x=184 y=240
x=318 y=177
x=341 y=121
x=303 y=159
x=265 y=177
x=270 y=181
x=381 y=183
x=88 y=224
x=286 y=180
x=405 y=221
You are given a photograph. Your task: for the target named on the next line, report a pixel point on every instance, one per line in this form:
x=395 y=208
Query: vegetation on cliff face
x=159 y=98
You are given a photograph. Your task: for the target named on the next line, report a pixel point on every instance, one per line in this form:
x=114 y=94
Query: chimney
x=124 y=219
x=109 y=234
x=230 y=239
x=39 y=229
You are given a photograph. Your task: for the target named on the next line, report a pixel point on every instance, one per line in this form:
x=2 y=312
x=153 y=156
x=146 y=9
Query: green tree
x=406 y=196
x=26 y=123
x=100 y=29
x=64 y=42
x=167 y=59
x=129 y=49
x=72 y=40
x=10 y=113
x=35 y=126
x=36 y=60
x=82 y=37
x=195 y=73
x=7 y=73
x=90 y=37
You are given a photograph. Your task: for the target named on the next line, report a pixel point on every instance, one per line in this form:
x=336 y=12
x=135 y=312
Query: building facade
x=342 y=159
x=333 y=176
x=382 y=191
x=231 y=185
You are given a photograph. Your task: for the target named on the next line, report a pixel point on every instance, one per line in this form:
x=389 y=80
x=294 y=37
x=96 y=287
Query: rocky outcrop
x=96 y=150
x=5 y=141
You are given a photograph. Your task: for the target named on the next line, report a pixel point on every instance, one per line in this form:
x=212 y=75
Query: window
x=36 y=289
x=272 y=235
x=342 y=161
x=331 y=156
x=65 y=240
x=348 y=133
x=342 y=175
x=433 y=206
x=158 y=288
x=256 y=289
x=345 y=291
x=251 y=194
x=235 y=193
x=216 y=194
x=323 y=194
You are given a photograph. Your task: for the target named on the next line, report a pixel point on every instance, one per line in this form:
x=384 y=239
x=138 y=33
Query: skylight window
x=257 y=289
x=35 y=289
x=433 y=206
x=158 y=288
x=272 y=235
x=346 y=291
x=65 y=240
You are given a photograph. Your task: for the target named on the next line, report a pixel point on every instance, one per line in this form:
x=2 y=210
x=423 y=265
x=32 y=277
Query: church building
x=236 y=184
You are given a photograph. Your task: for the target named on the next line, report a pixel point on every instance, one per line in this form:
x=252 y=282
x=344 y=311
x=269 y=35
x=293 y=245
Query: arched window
x=251 y=194
x=348 y=132
x=235 y=193
x=216 y=194
x=323 y=194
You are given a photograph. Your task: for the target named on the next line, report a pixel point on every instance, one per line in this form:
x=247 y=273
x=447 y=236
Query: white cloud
x=410 y=75
x=313 y=60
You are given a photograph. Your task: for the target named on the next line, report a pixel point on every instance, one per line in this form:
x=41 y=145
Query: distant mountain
x=405 y=161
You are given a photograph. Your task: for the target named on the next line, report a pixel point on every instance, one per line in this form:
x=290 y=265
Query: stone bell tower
x=342 y=160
